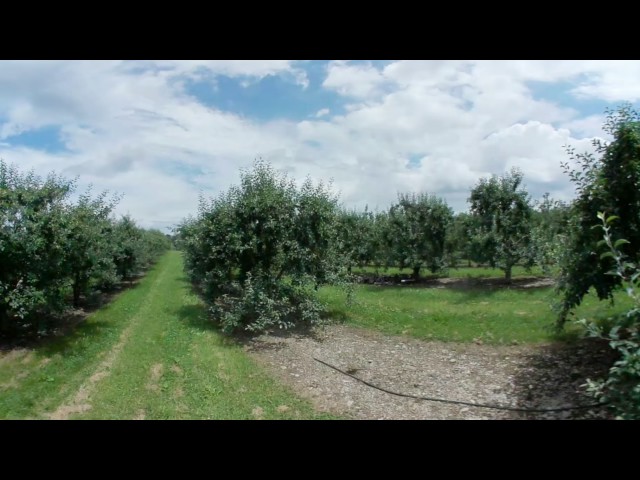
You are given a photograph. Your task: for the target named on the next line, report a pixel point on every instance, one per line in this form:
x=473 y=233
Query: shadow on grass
x=69 y=344
x=338 y=315
x=65 y=329
x=197 y=316
x=469 y=283
x=460 y=295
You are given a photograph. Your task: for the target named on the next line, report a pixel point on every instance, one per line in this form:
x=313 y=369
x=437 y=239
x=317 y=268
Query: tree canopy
x=261 y=249
x=606 y=181
x=55 y=251
x=502 y=212
x=416 y=231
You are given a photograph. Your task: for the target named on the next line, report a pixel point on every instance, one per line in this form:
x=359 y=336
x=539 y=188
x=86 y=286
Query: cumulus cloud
x=615 y=82
x=433 y=126
x=359 y=81
x=586 y=127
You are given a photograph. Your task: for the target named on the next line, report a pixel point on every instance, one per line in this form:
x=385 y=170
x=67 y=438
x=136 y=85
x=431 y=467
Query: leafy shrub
x=608 y=181
x=416 y=231
x=32 y=248
x=260 y=250
x=55 y=252
x=621 y=389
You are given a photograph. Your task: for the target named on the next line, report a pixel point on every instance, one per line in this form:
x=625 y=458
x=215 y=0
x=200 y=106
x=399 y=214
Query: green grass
x=150 y=354
x=488 y=272
x=460 y=272
x=496 y=316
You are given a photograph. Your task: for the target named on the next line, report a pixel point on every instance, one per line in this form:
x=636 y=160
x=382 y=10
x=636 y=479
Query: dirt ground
x=523 y=376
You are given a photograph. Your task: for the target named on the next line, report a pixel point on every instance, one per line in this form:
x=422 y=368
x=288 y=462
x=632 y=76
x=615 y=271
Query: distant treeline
x=502 y=228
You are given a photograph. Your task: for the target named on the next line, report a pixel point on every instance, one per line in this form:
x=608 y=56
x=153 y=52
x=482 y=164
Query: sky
x=160 y=133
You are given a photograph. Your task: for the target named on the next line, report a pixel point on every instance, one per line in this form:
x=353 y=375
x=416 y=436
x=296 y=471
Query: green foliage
x=259 y=250
x=502 y=212
x=127 y=253
x=154 y=245
x=266 y=303
x=357 y=237
x=381 y=254
x=51 y=247
x=621 y=389
x=32 y=252
x=461 y=241
x=134 y=248
x=416 y=231
x=608 y=182
x=88 y=244
x=548 y=232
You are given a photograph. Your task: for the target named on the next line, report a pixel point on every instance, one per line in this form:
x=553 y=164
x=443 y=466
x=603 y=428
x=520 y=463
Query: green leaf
x=619 y=242
x=607 y=254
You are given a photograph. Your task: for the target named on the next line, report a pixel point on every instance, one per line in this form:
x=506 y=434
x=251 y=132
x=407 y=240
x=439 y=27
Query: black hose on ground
x=458 y=402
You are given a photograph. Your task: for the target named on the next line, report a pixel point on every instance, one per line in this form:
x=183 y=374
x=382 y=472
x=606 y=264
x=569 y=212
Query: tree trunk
x=507 y=274
x=76 y=291
x=416 y=272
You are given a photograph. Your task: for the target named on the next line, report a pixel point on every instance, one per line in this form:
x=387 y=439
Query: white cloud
x=359 y=81
x=587 y=127
x=610 y=80
x=463 y=119
x=232 y=68
x=411 y=125
x=613 y=80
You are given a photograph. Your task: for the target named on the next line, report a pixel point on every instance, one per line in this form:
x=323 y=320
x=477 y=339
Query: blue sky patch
x=272 y=97
x=415 y=160
x=45 y=138
x=561 y=93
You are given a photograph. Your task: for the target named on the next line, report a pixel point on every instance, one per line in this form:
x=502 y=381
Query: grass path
x=150 y=354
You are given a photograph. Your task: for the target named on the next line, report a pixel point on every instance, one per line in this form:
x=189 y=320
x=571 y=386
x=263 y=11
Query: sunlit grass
x=495 y=315
x=172 y=364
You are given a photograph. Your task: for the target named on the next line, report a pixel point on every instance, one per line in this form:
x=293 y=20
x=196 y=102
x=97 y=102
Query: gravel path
x=530 y=376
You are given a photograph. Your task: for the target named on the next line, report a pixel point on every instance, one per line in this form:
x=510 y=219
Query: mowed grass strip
x=172 y=364
x=498 y=315
x=176 y=366
x=37 y=380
